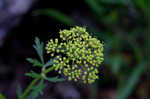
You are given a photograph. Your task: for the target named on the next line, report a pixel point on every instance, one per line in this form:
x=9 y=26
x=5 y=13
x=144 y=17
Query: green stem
x=28 y=89
x=48 y=70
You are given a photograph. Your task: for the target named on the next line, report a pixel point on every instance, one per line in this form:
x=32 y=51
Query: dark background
x=122 y=25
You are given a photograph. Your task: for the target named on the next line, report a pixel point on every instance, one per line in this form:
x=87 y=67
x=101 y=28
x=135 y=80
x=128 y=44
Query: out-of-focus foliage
x=57 y=15
x=124 y=25
x=1 y=96
x=19 y=92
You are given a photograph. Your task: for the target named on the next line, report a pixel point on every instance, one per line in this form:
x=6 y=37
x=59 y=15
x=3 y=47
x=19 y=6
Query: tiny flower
x=78 y=55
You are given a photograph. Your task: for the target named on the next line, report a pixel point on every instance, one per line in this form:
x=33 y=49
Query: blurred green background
x=122 y=25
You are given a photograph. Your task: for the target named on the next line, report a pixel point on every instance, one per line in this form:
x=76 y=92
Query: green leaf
x=49 y=63
x=33 y=74
x=116 y=63
x=19 y=92
x=37 y=90
x=111 y=18
x=54 y=79
x=39 y=48
x=113 y=1
x=126 y=89
x=34 y=62
x=97 y=8
x=1 y=96
x=137 y=50
x=58 y=16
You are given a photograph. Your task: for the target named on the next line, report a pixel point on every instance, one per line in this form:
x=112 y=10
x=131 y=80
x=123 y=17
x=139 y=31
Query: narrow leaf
x=58 y=16
x=116 y=63
x=33 y=74
x=19 y=92
x=54 y=79
x=34 y=62
x=126 y=90
x=39 y=48
x=49 y=63
x=113 y=1
x=97 y=8
x=37 y=90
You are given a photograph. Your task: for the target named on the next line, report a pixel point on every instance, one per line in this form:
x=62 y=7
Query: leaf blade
x=34 y=62
x=125 y=91
x=38 y=46
x=19 y=92
x=37 y=90
x=33 y=74
x=58 y=16
x=54 y=79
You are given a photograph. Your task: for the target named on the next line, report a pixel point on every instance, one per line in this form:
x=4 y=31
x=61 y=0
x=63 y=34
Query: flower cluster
x=76 y=55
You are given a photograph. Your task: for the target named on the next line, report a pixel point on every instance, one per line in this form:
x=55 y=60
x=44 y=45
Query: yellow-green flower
x=78 y=55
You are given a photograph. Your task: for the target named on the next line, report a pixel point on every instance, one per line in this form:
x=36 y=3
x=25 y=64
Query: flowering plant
x=75 y=55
